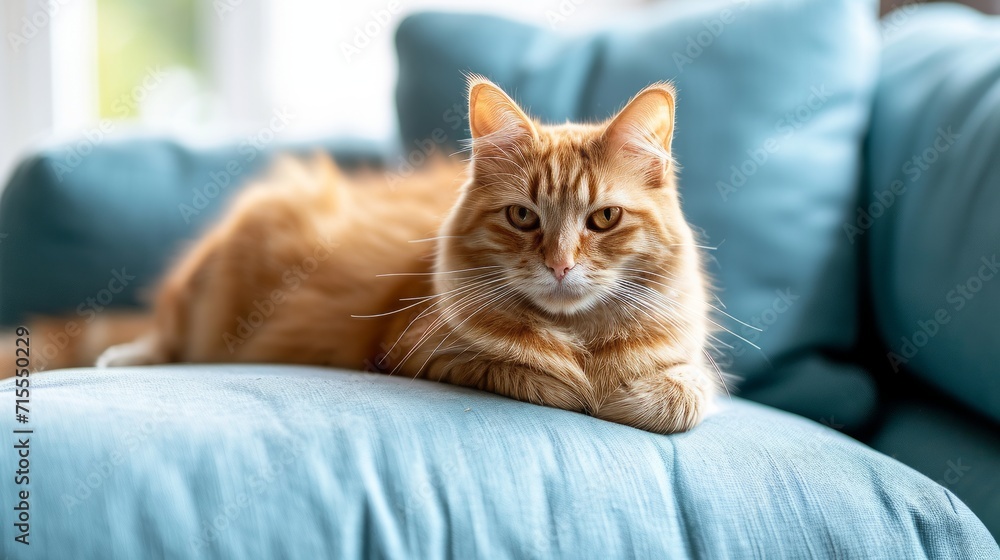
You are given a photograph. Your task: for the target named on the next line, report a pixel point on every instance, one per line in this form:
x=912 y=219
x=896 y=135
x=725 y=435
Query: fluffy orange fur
x=555 y=267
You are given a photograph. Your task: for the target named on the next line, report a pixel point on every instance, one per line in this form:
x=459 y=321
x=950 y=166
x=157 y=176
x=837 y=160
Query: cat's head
x=565 y=217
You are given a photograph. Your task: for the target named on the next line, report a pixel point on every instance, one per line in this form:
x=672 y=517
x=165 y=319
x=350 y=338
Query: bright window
x=220 y=68
x=145 y=48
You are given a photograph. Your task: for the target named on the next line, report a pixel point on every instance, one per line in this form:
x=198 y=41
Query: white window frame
x=47 y=64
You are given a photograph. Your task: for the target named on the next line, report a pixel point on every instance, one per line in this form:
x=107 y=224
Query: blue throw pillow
x=932 y=212
x=774 y=99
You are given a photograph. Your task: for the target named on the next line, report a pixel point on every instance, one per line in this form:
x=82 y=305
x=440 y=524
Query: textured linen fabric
x=957 y=450
x=774 y=100
x=80 y=216
x=933 y=200
x=285 y=462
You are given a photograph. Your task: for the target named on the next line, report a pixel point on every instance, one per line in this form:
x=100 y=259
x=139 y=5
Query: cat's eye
x=522 y=218
x=605 y=218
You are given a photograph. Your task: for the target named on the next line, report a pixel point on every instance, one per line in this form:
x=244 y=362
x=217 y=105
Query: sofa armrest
x=89 y=226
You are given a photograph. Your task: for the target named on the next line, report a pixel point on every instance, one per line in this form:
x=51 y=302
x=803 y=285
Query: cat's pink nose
x=560 y=267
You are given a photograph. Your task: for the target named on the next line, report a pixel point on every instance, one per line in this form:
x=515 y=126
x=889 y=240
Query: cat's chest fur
x=603 y=352
x=624 y=354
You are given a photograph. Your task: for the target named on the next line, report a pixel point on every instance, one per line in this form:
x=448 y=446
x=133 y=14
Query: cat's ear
x=496 y=122
x=643 y=130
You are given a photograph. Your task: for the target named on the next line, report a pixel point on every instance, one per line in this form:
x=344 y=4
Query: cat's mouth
x=566 y=297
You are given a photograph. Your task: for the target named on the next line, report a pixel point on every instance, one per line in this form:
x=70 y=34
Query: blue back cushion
x=933 y=200
x=774 y=99
x=87 y=227
x=94 y=231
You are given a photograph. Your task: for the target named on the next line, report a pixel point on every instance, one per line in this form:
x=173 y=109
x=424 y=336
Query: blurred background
x=214 y=68
x=217 y=68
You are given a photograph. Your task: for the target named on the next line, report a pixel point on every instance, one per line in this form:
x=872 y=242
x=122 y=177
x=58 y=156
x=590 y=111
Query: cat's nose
x=560 y=267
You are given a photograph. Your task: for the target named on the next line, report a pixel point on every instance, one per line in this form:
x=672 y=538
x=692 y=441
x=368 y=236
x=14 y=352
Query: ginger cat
x=562 y=272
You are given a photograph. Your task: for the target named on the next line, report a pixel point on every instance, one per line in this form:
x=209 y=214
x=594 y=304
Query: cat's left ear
x=496 y=122
x=644 y=129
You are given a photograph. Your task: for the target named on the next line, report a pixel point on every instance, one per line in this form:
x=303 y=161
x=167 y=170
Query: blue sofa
x=842 y=171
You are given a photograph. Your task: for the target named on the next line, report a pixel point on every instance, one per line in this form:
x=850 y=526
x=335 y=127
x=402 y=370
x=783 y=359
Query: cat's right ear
x=641 y=133
x=496 y=122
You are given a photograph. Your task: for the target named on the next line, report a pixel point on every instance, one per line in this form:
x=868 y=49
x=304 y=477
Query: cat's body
x=555 y=268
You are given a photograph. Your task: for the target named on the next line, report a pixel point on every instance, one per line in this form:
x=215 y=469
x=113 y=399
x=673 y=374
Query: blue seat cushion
x=774 y=98
x=932 y=205
x=956 y=449
x=285 y=462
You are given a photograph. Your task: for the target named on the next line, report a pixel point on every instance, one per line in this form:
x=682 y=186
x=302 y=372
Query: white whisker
x=433 y=273
x=426 y=239
x=472 y=287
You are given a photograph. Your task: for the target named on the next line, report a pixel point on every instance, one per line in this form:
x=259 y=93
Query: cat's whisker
x=643 y=307
x=469 y=296
x=608 y=300
x=470 y=286
x=707 y=248
x=446 y=316
x=458 y=327
x=720 y=341
x=718 y=371
x=664 y=274
x=461 y=285
x=466 y=146
x=387 y=313
x=663 y=311
x=433 y=273
x=497 y=158
x=658 y=294
x=520 y=297
x=426 y=239
x=419 y=300
x=462 y=291
x=669 y=287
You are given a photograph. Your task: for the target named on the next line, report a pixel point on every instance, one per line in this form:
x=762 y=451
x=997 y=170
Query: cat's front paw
x=140 y=352
x=669 y=402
